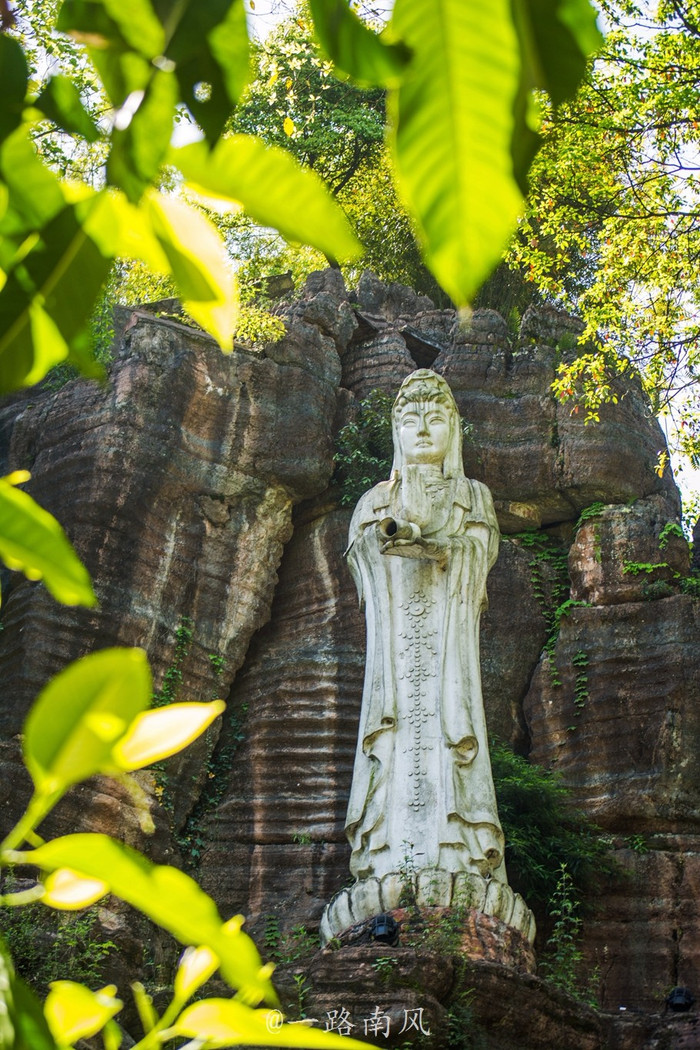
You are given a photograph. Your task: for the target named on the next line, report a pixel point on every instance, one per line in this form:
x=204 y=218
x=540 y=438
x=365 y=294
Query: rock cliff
x=196 y=489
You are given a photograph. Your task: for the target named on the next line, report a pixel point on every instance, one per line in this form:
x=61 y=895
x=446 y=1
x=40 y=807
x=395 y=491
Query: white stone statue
x=421 y=546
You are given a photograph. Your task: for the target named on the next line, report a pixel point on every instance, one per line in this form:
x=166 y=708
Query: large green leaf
x=463 y=113
x=82 y=713
x=60 y=101
x=273 y=188
x=355 y=49
x=210 y=50
x=452 y=125
x=139 y=148
x=13 y=84
x=556 y=40
x=168 y=897
x=34 y=543
x=35 y=192
x=46 y=303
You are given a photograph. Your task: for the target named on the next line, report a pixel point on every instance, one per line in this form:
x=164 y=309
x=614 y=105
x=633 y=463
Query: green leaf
x=79 y=717
x=199 y=264
x=121 y=39
x=354 y=49
x=60 y=101
x=563 y=35
x=225 y=1022
x=14 y=77
x=138 y=150
x=112 y=23
x=452 y=127
x=210 y=47
x=264 y=180
x=36 y=196
x=46 y=303
x=22 y=1022
x=168 y=897
x=33 y=542
x=556 y=41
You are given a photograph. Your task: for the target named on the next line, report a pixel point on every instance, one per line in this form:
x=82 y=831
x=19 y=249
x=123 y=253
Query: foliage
x=295 y=101
x=46 y=944
x=364 y=449
x=543 y=830
x=561 y=962
x=612 y=227
x=463 y=1031
x=337 y=129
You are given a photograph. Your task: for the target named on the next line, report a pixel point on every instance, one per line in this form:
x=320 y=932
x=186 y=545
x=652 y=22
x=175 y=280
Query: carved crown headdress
x=423 y=386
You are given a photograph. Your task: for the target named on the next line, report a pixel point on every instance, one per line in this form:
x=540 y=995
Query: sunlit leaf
x=13 y=84
x=74 y=1012
x=157 y=734
x=36 y=196
x=199 y=264
x=225 y=1022
x=46 y=303
x=355 y=49
x=67 y=890
x=452 y=126
x=167 y=896
x=80 y=715
x=264 y=180
x=60 y=101
x=195 y=968
x=210 y=46
x=139 y=147
x=33 y=542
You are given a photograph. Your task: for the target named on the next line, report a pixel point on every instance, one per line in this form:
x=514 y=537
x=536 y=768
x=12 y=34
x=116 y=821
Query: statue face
x=424 y=432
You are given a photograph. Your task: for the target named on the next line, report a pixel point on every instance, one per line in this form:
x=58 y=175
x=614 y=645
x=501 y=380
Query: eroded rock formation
x=195 y=488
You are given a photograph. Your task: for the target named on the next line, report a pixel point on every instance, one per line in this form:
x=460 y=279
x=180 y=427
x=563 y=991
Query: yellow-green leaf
x=168 y=897
x=273 y=188
x=46 y=303
x=195 y=968
x=199 y=263
x=74 y=1012
x=225 y=1022
x=157 y=734
x=79 y=717
x=33 y=542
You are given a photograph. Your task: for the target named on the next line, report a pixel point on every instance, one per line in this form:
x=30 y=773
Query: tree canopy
x=612 y=226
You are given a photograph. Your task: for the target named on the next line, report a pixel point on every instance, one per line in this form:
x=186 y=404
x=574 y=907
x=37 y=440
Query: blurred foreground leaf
x=33 y=542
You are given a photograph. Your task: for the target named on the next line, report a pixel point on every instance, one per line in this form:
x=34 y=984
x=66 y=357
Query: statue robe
x=422 y=785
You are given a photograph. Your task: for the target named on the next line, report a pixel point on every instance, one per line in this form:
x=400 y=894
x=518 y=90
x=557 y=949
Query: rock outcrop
x=196 y=489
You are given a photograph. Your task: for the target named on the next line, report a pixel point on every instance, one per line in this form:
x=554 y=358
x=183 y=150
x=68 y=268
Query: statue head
x=425 y=403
